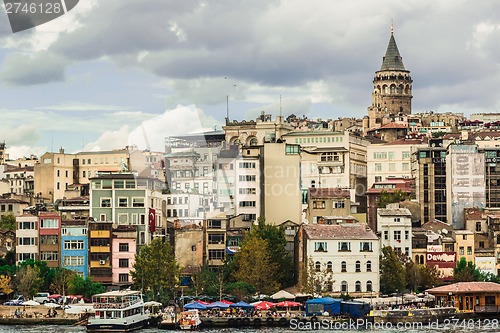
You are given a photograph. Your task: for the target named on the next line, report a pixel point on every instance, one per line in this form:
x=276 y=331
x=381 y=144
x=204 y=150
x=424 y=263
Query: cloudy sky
x=116 y=72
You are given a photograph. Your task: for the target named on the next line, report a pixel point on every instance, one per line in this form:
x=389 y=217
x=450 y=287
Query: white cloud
x=151 y=133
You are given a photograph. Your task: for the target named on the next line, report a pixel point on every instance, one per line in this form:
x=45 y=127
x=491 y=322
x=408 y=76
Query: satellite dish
x=444 y=231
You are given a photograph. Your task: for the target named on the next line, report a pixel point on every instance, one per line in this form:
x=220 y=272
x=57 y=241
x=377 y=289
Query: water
x=81 y=329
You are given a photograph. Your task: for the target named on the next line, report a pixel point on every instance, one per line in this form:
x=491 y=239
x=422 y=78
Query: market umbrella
x=195 y=305
x=227 y=302
x=203 y=302
x=283 y=294
x=52 y=305
x=241 y=304
x=153 y=303
x=263 y=305
x=287 y=304
x=54 y=296
x=30 y=303
x=217 y=305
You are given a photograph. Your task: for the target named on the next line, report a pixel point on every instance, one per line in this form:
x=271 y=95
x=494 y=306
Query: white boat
x=118 y=311
x=189 y=320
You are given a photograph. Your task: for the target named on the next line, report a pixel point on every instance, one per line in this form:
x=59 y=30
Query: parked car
x=42 y=298
x=16 y=301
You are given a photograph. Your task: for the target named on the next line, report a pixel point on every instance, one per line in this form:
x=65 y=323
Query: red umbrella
x=287 y=304
x=227 y=302
x=263 y=305
x=202 y=302
x=54 y=296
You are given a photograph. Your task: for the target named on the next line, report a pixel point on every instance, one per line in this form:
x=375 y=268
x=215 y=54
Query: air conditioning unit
x=102 y=262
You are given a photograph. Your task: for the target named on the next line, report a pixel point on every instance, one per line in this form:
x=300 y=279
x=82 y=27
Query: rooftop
x=351 y=231
x=467 y=287
x=394 y=212
x=329 y=192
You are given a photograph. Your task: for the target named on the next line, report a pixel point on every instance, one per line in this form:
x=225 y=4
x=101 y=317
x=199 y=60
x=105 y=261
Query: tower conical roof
x=392 y=59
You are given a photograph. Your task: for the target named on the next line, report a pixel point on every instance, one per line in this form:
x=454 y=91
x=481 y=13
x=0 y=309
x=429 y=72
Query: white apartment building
x=350 y=251
x=394 y=227
x=26 y=238
x=392 y=159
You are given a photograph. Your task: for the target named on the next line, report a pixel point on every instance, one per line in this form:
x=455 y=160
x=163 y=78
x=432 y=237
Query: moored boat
x=189 y=320
x=118 y=311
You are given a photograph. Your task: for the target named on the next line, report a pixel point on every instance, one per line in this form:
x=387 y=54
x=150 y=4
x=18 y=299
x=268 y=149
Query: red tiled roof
x=335 y=231
x=467 y=287
x=329 y=192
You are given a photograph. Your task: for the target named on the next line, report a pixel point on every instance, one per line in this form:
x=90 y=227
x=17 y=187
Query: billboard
x=486 y=264
x=442 y=259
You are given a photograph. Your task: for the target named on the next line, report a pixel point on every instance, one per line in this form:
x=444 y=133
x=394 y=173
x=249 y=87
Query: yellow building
x=464 y=244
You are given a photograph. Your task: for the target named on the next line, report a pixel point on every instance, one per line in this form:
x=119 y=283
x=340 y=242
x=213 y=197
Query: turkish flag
x=152 y=220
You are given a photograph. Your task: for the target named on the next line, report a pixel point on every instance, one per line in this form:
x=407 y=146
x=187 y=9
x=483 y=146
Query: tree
x=394 y=197
x=240 y=289
x=316 y=278
x=85 y=287
x=429 y=277
x=6 y=285
x=8 y=222
x=393 y=274
x=255 y=266
x=205 y=282
x=62 y=280
x=29 y=281
x=46 y=273
x=466 y=271
x=155 y=269
x=278 y=253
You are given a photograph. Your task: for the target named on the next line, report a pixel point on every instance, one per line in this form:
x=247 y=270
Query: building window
x=343 y=266
x=397 y=235
x=358 y=286
x=343 y=286
x=74 y=245
x=122 y=218
x=122 y=202
x=344 y=246
x=317 y=266
x=105 y=202
x=119 y=184
x=215 y=254
x=339 y=204
x=73 y=261
x=215 y=238
x=123 y=247
x=329 y=267
x=365 y=246
x=469 y=250
x=123 y=263
x=481 y=245
x=369 y=286
x=123 y=277
x=378 y=167
x=368 y=266
x=318 y=205
x=478 y=226
x=49 y=256
x=320 y=247
x=49 y=224
x=461 y=250
x=137 y=202
x=358 y=266
x=407 y=234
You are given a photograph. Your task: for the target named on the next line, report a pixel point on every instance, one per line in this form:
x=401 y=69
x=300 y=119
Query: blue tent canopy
x=217 y=305
x=355 y=309
x=195 y=305
x=242 y=305
x=318 y=306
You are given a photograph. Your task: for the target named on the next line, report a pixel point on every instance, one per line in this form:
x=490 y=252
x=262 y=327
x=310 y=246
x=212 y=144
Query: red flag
x=152 y=220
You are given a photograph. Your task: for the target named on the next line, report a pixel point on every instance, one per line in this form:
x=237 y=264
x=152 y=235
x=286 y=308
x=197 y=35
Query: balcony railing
x=487 y=309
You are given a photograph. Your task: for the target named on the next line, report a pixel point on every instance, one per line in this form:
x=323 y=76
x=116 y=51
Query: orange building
x=479 y=297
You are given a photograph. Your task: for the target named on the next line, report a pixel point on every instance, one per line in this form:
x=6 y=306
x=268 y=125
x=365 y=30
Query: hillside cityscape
x=360 y=207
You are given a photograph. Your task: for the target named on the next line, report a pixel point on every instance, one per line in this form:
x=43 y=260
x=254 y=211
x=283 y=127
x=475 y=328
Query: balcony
x=100 y=249
x=100 y=233
x=100 y=264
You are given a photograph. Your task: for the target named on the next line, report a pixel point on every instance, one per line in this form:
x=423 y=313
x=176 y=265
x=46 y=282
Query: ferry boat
x=189 y=320
x=118 y=311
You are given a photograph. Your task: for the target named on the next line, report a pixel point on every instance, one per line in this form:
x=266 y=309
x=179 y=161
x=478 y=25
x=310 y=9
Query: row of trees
x=262 y=265
x=399 y=273
x=33 y=276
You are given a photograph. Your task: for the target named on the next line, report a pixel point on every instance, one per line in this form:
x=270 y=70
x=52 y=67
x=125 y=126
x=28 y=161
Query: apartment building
x=27 y=238
x=123 y=251
x=49 y=238
x=99 y=240
x=74 y=246
x=395 y=229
